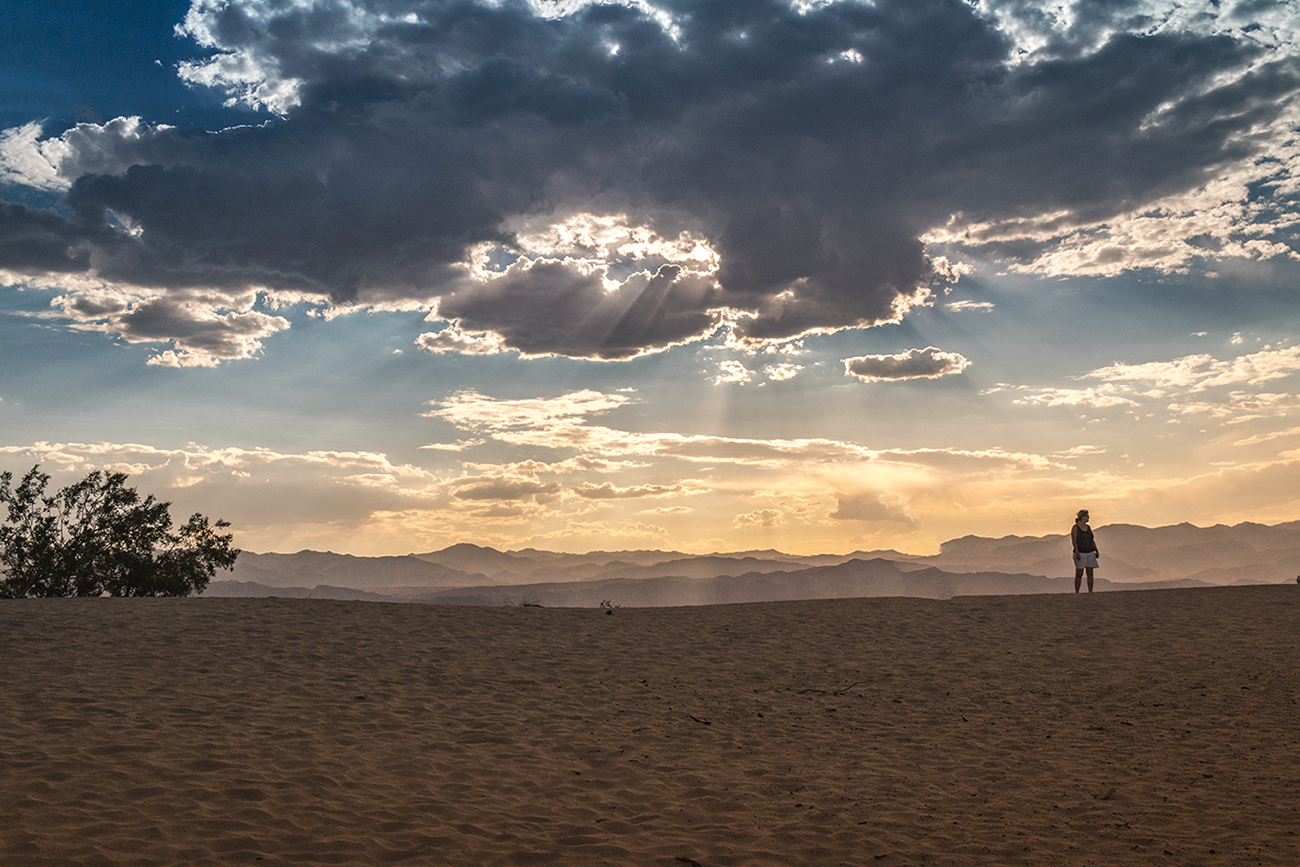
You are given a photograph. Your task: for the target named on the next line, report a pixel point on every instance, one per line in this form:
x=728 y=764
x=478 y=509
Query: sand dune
x=1125 y=728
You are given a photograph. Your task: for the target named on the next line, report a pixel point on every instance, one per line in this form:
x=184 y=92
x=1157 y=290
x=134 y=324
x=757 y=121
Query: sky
x=382 y=276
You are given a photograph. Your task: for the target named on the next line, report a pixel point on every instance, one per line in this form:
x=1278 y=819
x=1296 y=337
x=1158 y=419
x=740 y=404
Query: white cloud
x=870 y=506
x=1238 y=404
x=1199 y=372
x=1103 y=397
x=607 y=491
x=1082 y=451
x=732 y=371
x=976 y=460
x=561 y=423
x=458 y=446
x=928 y=363
x=1265 y=437
x=26 y=160
x=584 y=464
x=453 y=339
x=471 y=410
x=603 y=239
x=251 y=74
x=766 y=518
x=979 y=306
x=782 y=372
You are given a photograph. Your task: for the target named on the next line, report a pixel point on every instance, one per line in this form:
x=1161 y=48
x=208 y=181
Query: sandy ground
x=1158 y=727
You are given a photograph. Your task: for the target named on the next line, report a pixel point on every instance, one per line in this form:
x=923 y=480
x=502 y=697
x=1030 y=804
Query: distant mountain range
x=1132 y=557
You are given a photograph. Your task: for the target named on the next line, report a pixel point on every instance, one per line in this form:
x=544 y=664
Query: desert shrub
x=100 y=537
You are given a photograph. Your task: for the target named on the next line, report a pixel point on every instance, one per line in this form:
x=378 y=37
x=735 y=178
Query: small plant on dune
x=525 y=602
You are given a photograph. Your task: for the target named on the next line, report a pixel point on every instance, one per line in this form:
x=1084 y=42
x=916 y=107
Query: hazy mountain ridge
x=1133 y=557
x=855 y=578
x=309 y=568
x=1255 y=552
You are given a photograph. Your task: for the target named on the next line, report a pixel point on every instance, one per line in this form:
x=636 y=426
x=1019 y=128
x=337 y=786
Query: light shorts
x=1086 y=560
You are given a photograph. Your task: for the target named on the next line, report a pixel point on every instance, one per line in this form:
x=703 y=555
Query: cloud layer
x=776 y=169
x=569 y=472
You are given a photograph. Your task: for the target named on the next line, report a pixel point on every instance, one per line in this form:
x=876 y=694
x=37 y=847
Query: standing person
x=1085 y=549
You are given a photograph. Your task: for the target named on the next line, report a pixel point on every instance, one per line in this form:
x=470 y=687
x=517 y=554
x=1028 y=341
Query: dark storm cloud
x=36 y=242
x=810 y=149
x=550 y=308
x=1100 y=135
x=331 y=230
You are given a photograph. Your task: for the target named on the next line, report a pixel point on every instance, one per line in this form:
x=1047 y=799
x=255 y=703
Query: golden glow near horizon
x=523 y=275
x=595 y=485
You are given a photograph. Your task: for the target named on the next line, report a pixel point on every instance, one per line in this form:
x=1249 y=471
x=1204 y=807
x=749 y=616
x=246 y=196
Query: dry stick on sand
x=833 y=691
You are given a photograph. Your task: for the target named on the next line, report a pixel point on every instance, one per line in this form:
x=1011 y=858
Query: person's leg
x=1078 y=579
x=1089 y=580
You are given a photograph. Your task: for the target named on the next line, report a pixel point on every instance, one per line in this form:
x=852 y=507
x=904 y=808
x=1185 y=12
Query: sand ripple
x=1126 y=728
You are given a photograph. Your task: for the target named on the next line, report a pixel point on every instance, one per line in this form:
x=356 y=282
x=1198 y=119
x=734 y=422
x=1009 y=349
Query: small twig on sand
x=833 y=691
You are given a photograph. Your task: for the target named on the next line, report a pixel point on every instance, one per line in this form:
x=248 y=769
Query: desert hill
x=854 y=579
x=1254 y=553
x=309 y=568
x=1133 y=557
